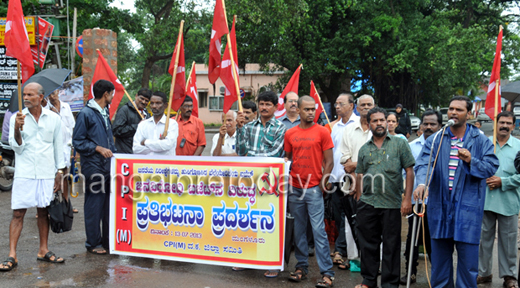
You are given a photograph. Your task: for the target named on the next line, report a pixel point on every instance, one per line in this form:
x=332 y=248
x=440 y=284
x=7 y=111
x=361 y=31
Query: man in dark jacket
x=127 y=119
x=94 y=142
x=403 y=119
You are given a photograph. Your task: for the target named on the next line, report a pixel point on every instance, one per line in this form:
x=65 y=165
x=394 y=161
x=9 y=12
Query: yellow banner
x=211 y=210
x=29 y=25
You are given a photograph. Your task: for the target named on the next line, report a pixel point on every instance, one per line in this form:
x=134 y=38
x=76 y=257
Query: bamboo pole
x=19 y=81
x=133 y=103
x=497 y=87
x=324 y=111
x=174 y=76
x=189 y=76
x=235 y=76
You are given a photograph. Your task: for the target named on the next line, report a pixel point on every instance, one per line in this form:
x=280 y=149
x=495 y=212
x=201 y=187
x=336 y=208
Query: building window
x=203 y=99
x=216 y=103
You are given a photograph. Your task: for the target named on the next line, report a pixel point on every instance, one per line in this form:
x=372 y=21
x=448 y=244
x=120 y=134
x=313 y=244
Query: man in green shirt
x=380 y=180
x=502 y=206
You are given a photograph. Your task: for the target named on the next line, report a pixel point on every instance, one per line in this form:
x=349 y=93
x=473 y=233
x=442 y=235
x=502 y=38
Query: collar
x=509 y=141
x=189 y=119
x=285 y=117
x=151 y=119
x=420 y=140
x=93 y=104
x=387 y=137
x=258 y=121
x=471 y=131
x=25 y=111
x=234 y=135
x=353 y=118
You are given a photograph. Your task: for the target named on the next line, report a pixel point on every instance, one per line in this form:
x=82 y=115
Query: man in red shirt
x=192 y=138
x=309 y=146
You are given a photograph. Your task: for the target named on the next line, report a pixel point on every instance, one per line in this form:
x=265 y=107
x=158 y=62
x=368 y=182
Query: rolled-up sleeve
x=16 y=148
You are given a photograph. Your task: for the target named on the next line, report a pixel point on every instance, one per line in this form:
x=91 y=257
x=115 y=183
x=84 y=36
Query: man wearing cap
x=403 y=119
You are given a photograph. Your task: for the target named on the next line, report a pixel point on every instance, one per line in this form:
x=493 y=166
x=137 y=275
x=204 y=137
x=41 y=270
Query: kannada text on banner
x=211 y=210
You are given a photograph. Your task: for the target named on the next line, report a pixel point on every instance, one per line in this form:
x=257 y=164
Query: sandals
x=271 y=274
x=338 y=259
x=510 y=282
x=10 y=263
x=325 y=282
x=344 y=266
x=298 y=275
x=98 y=251
x=48 y=258
x=362 y=286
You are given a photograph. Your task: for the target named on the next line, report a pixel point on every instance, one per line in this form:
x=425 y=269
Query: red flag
x=16 y=39
x=292 y=86
x=226 y=74
x=495 y=76
x=314 y=94
x=191 y=90
x=103 y=71
x=179 y=92
x=219 y=29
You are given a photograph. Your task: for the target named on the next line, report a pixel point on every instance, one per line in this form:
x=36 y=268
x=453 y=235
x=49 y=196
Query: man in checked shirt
x=262 y=137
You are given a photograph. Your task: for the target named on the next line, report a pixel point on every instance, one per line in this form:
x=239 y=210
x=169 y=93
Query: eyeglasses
x=339 y=104
x=187 y=106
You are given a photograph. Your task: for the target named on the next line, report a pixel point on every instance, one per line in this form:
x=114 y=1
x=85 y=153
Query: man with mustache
x=463 y=161
x=380 y=207
x=149 y=138
x=431 y=122
x=224 y=142
x=127 y=119
x=38 y=171
x=502 y=205
x=192 y=137
x=249 y=110
x=291 y=117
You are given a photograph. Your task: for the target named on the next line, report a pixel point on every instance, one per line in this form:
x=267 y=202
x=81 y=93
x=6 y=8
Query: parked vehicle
x=444 y=112
x=482 y=116
x=6 y=167
x=416 y=122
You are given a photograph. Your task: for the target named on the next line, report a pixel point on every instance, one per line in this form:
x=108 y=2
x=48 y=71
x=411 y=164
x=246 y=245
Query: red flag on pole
x=494 y=82
x=226 y=74
x=103 y=71
x=314 y=94
x=191 y=90
x=219 y=29
x=16 y=39
x=292 y=86
x=180 y=77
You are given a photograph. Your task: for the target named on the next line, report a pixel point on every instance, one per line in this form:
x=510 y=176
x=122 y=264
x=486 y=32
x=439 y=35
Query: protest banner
x=7 y=66
x=39 y=51
x=211 y=210
x=71 y=92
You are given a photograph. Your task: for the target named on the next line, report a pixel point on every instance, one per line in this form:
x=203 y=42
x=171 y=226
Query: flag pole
x=133 y=103
x=497 y=87
x=172 y=87
x=19 y=89
x=189 y=76
x=235 y=76
x=324 y=111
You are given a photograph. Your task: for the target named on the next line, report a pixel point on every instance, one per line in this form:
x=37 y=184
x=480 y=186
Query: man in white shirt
x=149 y=138
x=355 y=136
x=67 y=125
x=224 y=142
x=344 y=109
x=38 y=170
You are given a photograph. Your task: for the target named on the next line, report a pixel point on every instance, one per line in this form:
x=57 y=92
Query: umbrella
x=511 y=91
x=50 y=79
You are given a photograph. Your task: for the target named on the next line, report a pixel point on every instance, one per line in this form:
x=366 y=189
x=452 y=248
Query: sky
x=124 y=4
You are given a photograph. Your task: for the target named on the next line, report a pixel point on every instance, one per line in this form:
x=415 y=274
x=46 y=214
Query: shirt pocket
x=46 y=135
x=268 y=141
x=191 y=137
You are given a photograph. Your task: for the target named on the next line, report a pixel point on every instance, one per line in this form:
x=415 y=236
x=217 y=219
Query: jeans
x=339 y=217
x=308 y=204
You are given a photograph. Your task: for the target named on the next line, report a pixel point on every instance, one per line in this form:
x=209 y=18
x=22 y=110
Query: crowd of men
x=466 y=182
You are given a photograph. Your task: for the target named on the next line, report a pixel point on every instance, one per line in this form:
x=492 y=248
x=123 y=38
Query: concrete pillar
x=104 y=40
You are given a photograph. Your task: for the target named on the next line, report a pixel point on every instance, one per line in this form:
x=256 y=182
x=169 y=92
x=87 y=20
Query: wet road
x=83 y=269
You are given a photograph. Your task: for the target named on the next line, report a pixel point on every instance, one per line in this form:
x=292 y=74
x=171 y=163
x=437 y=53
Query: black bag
x=61 y=214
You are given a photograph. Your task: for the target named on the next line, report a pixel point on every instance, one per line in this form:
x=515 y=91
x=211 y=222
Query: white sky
x=124 y=4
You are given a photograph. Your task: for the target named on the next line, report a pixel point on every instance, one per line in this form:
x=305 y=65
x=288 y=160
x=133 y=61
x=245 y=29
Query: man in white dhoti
x=38 y=172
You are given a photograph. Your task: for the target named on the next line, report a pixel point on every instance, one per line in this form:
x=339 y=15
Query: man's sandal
x=298 y=275
x=510 y=282
x=338 y=258
x=271 y=274
x=326 y=282
x=361 y=286
x=9 y=264
x=48 y=258
x=344 y=266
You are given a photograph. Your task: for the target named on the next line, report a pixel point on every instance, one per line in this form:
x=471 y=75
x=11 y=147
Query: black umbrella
x=511 y=91
x=50 y=79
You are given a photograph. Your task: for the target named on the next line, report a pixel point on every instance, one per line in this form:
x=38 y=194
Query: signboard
x=44 y=38
x=79 y=46
x=211 y=210
x=6 y=90
x=7 y=66
x=71 y=92
x=29 y=25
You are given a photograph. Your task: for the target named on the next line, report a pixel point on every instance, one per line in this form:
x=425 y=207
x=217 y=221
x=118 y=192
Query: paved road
x=83 y=269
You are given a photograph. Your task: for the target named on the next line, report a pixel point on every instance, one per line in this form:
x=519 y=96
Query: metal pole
x=412 y=245
x=73 y=55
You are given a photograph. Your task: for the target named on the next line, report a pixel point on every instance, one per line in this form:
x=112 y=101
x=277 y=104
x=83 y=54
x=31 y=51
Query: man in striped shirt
x=262 y=137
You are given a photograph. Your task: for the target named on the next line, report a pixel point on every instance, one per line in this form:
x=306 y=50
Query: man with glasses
x=344 y=109
x=291 y=118
x=192 y=137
